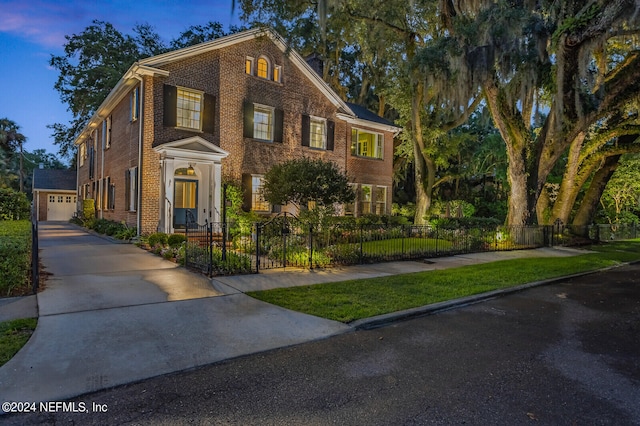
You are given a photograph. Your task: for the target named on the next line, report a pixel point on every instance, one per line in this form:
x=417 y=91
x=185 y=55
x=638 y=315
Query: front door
x=185 y=198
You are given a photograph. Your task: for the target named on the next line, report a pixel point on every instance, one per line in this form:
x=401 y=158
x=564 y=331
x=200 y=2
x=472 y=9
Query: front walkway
x=113 y=314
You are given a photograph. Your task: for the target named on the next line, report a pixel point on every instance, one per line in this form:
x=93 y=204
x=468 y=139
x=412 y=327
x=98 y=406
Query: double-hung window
x=366 y=199
x=82 y=154
x=131 y=189
x=189 y=109
x=108 y=132
x=134 y=104
x=317 y=133
x=381 y=200
x=258 y=203
x=263 y=123
x=367 y=144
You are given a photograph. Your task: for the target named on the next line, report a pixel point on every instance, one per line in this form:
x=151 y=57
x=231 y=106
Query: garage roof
x=51 y=179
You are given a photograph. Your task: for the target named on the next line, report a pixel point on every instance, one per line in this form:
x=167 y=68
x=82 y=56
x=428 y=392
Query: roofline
x=372 y=124
x=232 y=39
x=148 y=67
x=129 y=80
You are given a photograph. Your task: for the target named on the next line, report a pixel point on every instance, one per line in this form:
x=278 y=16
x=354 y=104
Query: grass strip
x=13 y=336
x=348 y=301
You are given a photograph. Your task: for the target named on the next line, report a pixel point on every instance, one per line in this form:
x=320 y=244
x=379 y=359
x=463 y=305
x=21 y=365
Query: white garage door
x=61 y=206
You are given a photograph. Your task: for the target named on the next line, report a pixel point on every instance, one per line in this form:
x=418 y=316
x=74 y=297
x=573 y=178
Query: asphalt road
x=563 y=354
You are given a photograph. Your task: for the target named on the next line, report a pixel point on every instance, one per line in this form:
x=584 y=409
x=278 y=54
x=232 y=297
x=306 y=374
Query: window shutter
x=127 y=189
x=209 y=113
x=91 y=165
x=248 y=120
x=278 y=125
x=331 y=130
x=246 y=192
x=170 y=105
x=306 y=127
x=135 y=188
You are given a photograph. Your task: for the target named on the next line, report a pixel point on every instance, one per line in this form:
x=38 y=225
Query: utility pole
x=21 y=169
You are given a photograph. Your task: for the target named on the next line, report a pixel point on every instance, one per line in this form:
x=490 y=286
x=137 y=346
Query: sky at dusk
x=33 y=30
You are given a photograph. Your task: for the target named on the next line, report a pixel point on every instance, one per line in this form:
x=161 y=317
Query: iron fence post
x=186 y=246
x=257 y=225
x=437 y=240
x=209 y=230
x=35 y=259
x=310 y=246
x=361 y=242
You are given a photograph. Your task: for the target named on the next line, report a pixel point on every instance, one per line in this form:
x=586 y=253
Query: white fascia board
x=232 y=39
x=121 y=89
x=371 y=124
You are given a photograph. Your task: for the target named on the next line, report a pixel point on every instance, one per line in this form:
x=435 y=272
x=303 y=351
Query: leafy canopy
x=302 y=180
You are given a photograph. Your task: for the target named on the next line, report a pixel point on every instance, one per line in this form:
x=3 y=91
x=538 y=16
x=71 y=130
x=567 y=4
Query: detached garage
x=54 y=194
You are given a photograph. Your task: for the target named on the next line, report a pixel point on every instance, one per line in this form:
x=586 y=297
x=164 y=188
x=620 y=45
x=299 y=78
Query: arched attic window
x=263 y=70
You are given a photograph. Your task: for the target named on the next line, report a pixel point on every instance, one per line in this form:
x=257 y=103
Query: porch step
x=201 y=239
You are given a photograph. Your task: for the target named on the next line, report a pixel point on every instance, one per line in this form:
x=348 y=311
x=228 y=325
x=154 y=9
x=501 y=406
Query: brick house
x=179 y=124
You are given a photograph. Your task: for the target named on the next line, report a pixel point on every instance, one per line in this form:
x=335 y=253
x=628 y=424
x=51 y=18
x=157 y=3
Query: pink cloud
x=40 y=22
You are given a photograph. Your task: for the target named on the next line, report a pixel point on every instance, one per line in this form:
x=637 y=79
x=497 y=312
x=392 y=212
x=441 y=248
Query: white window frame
x=187 y=117
x=277 y=73
x=268 y=70
x=364 y=202
x=356 y=146
x=108 y=122
x=134 y=104
x=258 y=126
x=258 y=203
x=381 y=202
x=82 y=153
x=132 y=202
x=250 y=63
x=317 y=140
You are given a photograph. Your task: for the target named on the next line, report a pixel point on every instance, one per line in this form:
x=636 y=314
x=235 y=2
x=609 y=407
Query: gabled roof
x=364 y=114
x=149 y=66
x=53 y=179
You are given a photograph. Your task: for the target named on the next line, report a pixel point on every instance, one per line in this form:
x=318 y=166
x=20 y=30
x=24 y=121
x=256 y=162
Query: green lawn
x=13 y=336
x=352 y=300
x=399 y=245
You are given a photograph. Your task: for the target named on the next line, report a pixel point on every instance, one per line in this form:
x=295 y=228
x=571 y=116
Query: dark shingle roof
x=54 y=179
x=364 y=114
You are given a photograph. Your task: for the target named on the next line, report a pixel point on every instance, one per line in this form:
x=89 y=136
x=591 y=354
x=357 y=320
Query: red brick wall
x=221 y=73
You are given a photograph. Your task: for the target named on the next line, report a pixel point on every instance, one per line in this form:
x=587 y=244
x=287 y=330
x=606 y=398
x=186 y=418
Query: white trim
x=371 y=124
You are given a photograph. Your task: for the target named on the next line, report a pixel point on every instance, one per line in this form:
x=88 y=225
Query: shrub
x=15 y=255
x=159 y=238
x=88 y=209
x=175 y=240
x=14 y=205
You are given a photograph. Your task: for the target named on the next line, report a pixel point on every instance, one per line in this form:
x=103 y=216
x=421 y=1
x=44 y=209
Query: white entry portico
x=191 y=182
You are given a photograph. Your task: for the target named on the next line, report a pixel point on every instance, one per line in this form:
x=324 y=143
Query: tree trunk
x=589 y=205
x=519 y=212
x=571 y=184
x=425 y=173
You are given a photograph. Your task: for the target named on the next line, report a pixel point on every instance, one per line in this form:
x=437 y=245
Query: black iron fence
x=35 y=256
x=285 y=241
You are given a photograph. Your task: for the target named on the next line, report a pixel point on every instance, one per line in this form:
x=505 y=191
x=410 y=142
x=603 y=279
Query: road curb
x=434 y=308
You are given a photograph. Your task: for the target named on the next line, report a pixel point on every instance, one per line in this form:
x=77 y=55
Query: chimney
x=41 y=166
x=315 y=62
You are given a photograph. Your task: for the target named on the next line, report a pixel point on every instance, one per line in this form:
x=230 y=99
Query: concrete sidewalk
x=113 y=314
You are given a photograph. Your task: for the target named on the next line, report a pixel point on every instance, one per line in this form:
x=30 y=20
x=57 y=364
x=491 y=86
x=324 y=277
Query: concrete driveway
x=114 y=314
